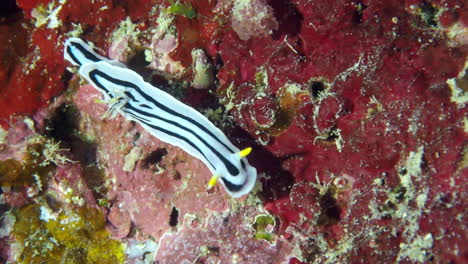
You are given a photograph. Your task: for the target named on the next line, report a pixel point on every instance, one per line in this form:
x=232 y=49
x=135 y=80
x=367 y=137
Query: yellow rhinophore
x=99 y=101
x=245 y=152
x=213 y=181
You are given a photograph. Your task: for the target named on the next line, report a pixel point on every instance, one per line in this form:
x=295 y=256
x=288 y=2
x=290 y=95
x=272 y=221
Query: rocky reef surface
x=356 y=112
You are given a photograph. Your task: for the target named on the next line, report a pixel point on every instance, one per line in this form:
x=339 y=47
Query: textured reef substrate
x=356 y=112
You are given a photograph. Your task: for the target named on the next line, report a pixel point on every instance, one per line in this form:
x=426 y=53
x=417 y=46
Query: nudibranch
x=164 y=117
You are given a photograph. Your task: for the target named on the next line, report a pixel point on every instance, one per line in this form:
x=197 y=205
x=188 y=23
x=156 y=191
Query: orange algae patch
x=288 y=102
x=14 y=174
x=64 y=236
x=17 y=175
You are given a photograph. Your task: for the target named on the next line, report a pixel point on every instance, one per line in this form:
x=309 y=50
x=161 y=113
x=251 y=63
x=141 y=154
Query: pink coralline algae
x=145 y=169
x=253 y=19
x=220 y=238
x=356 y=112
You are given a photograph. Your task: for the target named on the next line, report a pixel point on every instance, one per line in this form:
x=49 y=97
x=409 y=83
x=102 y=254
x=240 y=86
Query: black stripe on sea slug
x=231 y=186
x=100 y=85
x=86 y=53
x=230 y=167
x=72 y=56
x=172 y=112
x=169 y=133
x=128 y=94
x=145 y=106
x=161 y=106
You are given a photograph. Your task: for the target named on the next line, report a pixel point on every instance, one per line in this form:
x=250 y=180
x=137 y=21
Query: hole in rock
x=136 y=137
x=213 y=250
x=330 y=210
x=316 y=88
x=63 y=126
x=357 y=16
x=174 y=217
x=177 y=176
x=333 y=135
x=154 y=157
x=288 y=16
x=428 y=14
x=8 y=7
x=139 y=59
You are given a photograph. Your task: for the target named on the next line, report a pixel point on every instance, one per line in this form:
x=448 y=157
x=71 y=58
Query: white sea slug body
x=164 y=116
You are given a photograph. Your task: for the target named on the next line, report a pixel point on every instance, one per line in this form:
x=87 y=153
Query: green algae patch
x=183 y=9
x=261 y=225
x=64 y=236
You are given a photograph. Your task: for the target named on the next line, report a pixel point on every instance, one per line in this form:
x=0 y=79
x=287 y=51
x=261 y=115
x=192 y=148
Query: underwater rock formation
x=356 y=112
